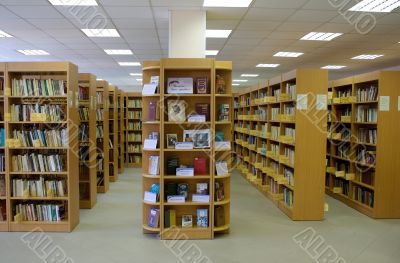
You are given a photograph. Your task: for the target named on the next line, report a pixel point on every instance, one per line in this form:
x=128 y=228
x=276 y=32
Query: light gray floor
x=111 y=232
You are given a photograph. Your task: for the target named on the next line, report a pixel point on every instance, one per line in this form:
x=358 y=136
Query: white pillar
x=187 y=34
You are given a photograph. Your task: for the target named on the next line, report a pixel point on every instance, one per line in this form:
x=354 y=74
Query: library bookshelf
x=133 y=139
x=4 y=180
x=58 y=115
x=102 y=135
x=160 y=123
x=112 y=133
x=362 y=158
x=121 y=128
x=268 y=119
x=87 y=140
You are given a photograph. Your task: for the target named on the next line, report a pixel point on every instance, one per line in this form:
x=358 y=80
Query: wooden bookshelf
x=133 y=139
x=102 y=141
x=113 y=133
x=194 y=68
x=367 y=182
x=66 y=102
x=121 y=129
x=87 y=141
x=288 y=171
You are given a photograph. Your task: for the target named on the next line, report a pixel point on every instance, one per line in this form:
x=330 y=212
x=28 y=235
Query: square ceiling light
x=381 y=6
x=4 y=34
x=74 y=2
x=129 y=64
x=333 y=67
x=320 y=36
x=267 y=65
x=118 y=51
x=227 y=3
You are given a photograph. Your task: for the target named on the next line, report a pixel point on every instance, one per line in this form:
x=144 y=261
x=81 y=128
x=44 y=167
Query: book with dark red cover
x=203 y=109
x=200 y=164
x=152 y=115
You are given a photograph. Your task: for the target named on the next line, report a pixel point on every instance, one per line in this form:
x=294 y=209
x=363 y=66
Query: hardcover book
x=154 y=165
x=180 y=86
x=202 y=85
x=200 y=164
x=183 y=189
x=176 y=110
x=223 y=112
x=219 y=191
x=170 y=218
x=221 y=168
x=153 y=114
x=219 y=216
x=187 y=221
x=202 y=188
x=202 y=218
x=153 y=218
x=203 y=109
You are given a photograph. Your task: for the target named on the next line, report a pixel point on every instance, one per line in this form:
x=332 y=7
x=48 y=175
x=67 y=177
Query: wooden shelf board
x=151 y=176
x=151 y=229
x=187 y=203
x=40 y=198
x=222 y=228
x=196 y=177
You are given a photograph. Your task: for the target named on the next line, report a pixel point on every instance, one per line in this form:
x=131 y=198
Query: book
x=176 y=110
x=169 y=218
x=196 y=118
x=176 y=199
x=200 y=164
x=219 y=136
x=219 y=216
x=196 y=198
x=154 y=165
x=184 y=145
x=2 y=137
x=202 y=188
x=184 y=172
x=170 y=189
x=221 y=168
x=219 y=191
x=2 y=186
x=187 y=221
x=183 y=189
x=223 y=112
x=172 y=164
x=202 y=85
x=202 y=218
x=200 y=138
x=180 y=86
x=40 y=212
x=203 y=109
x=153 y=114
x=153 y=218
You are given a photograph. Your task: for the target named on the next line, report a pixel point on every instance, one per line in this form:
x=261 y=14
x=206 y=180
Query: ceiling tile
x=29 y=11
x=312 y=16
x=269 y=14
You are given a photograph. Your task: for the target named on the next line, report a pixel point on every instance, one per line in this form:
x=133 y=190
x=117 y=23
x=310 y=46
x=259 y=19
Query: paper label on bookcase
x=7 y=92
x=26 y=193
x=384 y=103
x=302 y=102
x=322 y=102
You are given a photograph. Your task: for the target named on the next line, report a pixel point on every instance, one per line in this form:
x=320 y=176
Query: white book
x=222 y=168
x=154 y=165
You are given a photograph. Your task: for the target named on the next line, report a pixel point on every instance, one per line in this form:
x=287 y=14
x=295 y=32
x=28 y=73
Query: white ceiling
x=259 y=31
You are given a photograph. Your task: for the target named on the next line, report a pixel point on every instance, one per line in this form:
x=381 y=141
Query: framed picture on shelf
x=172 y=138
x=200 y=138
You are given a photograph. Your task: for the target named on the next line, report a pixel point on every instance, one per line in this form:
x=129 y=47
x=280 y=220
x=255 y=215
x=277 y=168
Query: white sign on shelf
x=302 y=102
x=322 y=102
x=150 y=144
x=384 y=103
x=150 y=197
x=149 y=89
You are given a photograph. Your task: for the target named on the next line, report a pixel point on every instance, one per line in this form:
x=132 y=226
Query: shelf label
x=384 y=103
x=322 y=102
x=36 y=143
x=302 y=101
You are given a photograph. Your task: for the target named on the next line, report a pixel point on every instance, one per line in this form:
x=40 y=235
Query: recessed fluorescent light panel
x=383 y=6
x=4 y=34
x=367 y=57
x=99 y=79
x=93 y=32
x=136 y=74
x=216 y=33
x=33 y=52
x=288 y=54
x=267 y=65
x=139 y=80
x=129 y=64
x=249 y=75
x=227 y=3
x=118 y=51
x=74 y=2
x=240 y=80
x=212 y=52
x=333 y=67
x=235 y=84
x=320 y=36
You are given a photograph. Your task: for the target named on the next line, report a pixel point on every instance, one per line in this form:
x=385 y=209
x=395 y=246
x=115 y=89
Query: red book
x=200 y=166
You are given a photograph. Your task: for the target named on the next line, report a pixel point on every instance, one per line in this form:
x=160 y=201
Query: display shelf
x=102 y=135
x=133 y=122
x=87 y=139
x=268 y=118
x=113 y=133
x=361 y=147
x=60 y=97
x=217 y=107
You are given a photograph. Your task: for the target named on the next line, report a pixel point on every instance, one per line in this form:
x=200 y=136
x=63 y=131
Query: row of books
x=343 y=112
x=134 y=114
x=289 y=152
x=275 y=148
x=275 y=114
x=40 y=212
x=288 y=174
x=38 y=87
x=38 y=188
x=366 y=135
x=99 y=115
x=83 y=93
x=364 y=196
x=41 y=138
x=223 y=112
x=34 y=162
x=262 y=114
x=366 y=114
x=134 y=137
x=273 y=186
x=134 y=125
x=136 y=103
x=288 y=109
x=134 y=148
x=367 y=94
x=135 y=159
x=290 y=132
x=290 y=89
x=275 y=132
x=99 y=132
x=343 y=93
x=274 y=166
x=366 y=156
x=24 y=112
x=83 y=132
x=99 y=97
x=342 y=184
x=84 y=114
x=3 y=191
x=2 y=162
x=343 y=150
